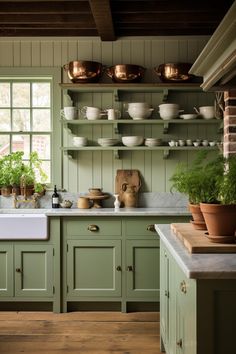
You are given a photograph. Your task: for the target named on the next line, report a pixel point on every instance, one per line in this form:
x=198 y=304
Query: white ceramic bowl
x=169 y=110
x=189 y=116
x=139 y=110
x=80 y=141
x=132 y=140
x=107 y=141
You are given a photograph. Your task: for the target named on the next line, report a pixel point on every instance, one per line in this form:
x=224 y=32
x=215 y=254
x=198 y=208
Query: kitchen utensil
x=130 y=195
x=83 y=203
x=206 y=112
x=69 y=113
x=169 y=110
x=125 y=73
x=79 y=141
x=66 y=204
x=139 y=110
x=174 y=72
x=91 y=113
x=188 y=116
x=132 y=140
x=131 y=177
x=113 y=113
x=83 y=71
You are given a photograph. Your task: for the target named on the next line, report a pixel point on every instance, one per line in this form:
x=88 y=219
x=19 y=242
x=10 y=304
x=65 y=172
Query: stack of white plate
x=153 y=142
x=107 y=141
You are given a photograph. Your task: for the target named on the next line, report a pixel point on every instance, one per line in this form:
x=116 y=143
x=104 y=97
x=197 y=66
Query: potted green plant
x=219 y=208
x=5 y=172
x=17 y=167
x=190 y=181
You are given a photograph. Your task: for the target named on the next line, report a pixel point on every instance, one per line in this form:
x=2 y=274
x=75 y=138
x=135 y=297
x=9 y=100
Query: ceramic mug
x=113 y=114
x=69 y=113
x=91 y=113
x=83 y=203
x=207 y=112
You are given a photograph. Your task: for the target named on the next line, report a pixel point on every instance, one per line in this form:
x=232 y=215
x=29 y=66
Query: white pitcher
x=113 y=114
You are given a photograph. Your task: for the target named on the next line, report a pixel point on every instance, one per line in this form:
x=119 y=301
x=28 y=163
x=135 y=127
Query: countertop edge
x=198 y=266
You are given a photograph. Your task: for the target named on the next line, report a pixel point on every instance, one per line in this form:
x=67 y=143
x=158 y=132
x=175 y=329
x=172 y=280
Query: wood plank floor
x=79 y=332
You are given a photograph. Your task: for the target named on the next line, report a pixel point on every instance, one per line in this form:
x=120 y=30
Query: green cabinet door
x=94 y=268
x=6 y=270
x=33 y=270
x=142 y=269
x=185 y=290
x=164 y=296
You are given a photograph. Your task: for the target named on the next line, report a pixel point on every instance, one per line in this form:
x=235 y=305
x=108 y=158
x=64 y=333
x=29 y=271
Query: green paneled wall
x=99 y=168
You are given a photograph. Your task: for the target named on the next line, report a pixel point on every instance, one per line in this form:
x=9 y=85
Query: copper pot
x=125 y=73
x=174 y=72
x=83 y=71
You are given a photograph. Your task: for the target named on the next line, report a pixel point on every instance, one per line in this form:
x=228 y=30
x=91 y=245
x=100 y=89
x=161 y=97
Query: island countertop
x=201 y=265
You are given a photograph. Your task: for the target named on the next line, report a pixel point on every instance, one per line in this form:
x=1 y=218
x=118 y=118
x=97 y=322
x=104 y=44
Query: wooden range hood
x=217 y=62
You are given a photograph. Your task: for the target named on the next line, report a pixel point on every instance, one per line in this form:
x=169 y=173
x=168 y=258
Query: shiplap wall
x=98 y=169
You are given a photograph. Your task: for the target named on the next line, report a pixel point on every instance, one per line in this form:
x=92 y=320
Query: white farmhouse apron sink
x=23 y=227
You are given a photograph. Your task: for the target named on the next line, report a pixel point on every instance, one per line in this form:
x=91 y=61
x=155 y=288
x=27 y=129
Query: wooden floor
x=79 y=332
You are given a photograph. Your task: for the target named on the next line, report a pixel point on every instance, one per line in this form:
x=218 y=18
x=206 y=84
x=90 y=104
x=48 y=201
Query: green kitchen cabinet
x=142 y=263
x=178 y=308
x=30 y=271
x=26 y=270
x=6 y=270
x=94 y=268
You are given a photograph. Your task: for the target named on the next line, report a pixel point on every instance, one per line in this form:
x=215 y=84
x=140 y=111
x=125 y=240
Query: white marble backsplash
x=146 y=200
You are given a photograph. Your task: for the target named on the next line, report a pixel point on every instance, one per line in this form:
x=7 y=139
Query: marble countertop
x=198 y=266
x=180 y=211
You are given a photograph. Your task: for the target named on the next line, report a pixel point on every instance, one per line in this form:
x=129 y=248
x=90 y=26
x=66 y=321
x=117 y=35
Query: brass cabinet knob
x=18 y=270
x=179 y=343
x=93 y=228
x=118 y=268
x=183 y=287
x=151 y=228
x=130 y=269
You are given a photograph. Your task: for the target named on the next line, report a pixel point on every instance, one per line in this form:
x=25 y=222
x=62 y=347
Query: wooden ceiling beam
x=42 y=19
x=101 y=12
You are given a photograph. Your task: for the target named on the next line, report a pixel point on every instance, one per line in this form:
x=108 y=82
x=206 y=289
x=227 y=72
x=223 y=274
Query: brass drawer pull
x=130 y=269
x=93 y=228
x=119 y=268
x=18 y=270
x=151 y=228
x=183 y=287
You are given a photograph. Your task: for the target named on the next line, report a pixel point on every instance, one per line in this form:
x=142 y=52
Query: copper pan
x=125 y=73
x=174 y=72
x=83 y=71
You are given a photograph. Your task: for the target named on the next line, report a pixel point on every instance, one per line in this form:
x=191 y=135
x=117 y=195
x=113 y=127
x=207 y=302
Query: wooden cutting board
x=196 y=241
x=126 y=176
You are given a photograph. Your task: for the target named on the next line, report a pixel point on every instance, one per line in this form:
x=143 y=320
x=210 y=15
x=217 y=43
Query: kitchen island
x=93 y=259
x=197 y=297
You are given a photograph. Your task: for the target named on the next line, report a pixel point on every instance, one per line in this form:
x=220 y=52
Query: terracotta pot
x=220 y=221
x=27 y=191
x=6 y=191
x=15 y=189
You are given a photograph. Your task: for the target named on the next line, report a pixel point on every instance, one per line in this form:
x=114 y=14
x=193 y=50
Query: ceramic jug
x=130 y=195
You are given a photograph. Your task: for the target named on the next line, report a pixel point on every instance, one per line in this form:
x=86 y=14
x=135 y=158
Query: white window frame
x=54 y=74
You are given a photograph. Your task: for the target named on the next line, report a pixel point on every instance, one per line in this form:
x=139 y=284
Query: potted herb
x=17 y=167
x=219 y=208
x=190 y=180
x=5 y=172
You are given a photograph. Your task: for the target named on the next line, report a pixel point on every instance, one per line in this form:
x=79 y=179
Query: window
x=26 y=118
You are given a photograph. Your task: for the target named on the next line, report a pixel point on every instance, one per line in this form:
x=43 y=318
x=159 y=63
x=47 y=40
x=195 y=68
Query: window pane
x=21 y=143
x=21 y=94
x=41 y=94
x=4 y=145
x=46 y=166
x=5 y=94
x=21 y=119
x=41 y=120
x=41 y=144
x=5 y=120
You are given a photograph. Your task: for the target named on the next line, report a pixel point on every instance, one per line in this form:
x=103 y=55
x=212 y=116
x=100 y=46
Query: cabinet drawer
x=137 y=226
x=96 y=226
